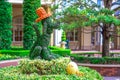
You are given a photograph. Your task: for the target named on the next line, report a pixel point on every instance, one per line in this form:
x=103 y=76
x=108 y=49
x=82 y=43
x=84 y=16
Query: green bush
x=55 y=48
x=17 y=48
x=88 y=53
x=63 y=36
x=29 y=15
x=95 y=60
x=60 y=51
x=7 y=57
x=5 y=25
x=46 y=70
x=21 y=53
x=65 y=52
x=44 y=67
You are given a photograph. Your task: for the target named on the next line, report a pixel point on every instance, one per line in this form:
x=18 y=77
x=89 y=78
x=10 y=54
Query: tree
x=29 y=14
x=106 y=22
x=81 y=13
x=5 y=25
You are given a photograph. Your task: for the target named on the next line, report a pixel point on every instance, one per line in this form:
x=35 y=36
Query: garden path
x=84 y=51
x=111 y=78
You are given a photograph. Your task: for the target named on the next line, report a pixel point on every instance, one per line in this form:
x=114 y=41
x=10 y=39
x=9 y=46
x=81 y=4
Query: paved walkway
x=80 y=51
x=111 y=78
x=6 y=63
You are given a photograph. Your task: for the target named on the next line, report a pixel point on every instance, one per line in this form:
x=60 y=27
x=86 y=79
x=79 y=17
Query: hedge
x=94 y=60
x=29 y=15
x=7 y=57
x=65 y=52
x=5 y=25
x=21 y=53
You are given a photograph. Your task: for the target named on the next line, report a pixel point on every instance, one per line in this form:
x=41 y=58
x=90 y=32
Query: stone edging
x=99 y=65
x=9 y=63
x=104 y=69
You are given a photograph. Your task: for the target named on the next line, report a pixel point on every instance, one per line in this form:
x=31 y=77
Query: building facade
x=79 y=39
x=17 y=30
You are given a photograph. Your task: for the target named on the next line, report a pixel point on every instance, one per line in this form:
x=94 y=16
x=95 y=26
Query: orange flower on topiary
x=42 y=14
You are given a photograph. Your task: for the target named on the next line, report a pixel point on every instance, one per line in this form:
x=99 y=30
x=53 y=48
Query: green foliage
x=5 y=25
x=106 y=11
x=29 y=14
x=65 y=52
x=60 y=51
x=20 y=53
x=17 y=48
x=94 y=60
x=43 y=67
x=90 y=74
x=7 y=57
x=63 y=36
x=102 y=16
x=51 y=70
x=73 y=18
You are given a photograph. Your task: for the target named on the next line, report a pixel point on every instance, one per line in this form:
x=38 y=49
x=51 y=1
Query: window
x=17 y=29
x=72 y=35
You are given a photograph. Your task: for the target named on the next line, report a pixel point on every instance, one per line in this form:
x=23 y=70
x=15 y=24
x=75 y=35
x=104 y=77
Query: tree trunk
x=115 y=38
x=107 y=3
x=105 y=46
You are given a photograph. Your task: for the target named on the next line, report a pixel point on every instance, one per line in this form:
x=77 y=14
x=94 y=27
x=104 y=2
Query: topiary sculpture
x=72 y=68
x=40 y=48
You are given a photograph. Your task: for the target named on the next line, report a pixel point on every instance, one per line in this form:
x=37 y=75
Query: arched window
x=17 y=28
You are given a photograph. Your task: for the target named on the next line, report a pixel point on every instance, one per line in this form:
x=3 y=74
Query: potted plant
x=63 y=40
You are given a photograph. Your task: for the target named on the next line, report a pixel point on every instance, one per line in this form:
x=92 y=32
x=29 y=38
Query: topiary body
x=40 y=48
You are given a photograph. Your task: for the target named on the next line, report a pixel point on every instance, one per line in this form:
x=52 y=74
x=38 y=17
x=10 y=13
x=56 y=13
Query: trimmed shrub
x=63 y=36
x=65 y=52
x=29 y=14
x=7 y=57
x=60 y=51
x=5 y=25
x=17 y=48
x=46 y=70
x=44 y=67
x=20 y=53
x=94 y=60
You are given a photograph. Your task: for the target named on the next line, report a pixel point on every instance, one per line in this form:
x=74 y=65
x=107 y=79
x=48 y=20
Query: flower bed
x=45 y=70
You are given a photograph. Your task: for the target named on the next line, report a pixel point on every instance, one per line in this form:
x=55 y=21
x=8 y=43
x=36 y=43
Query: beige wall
x=86 y=38
x=17 y=10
